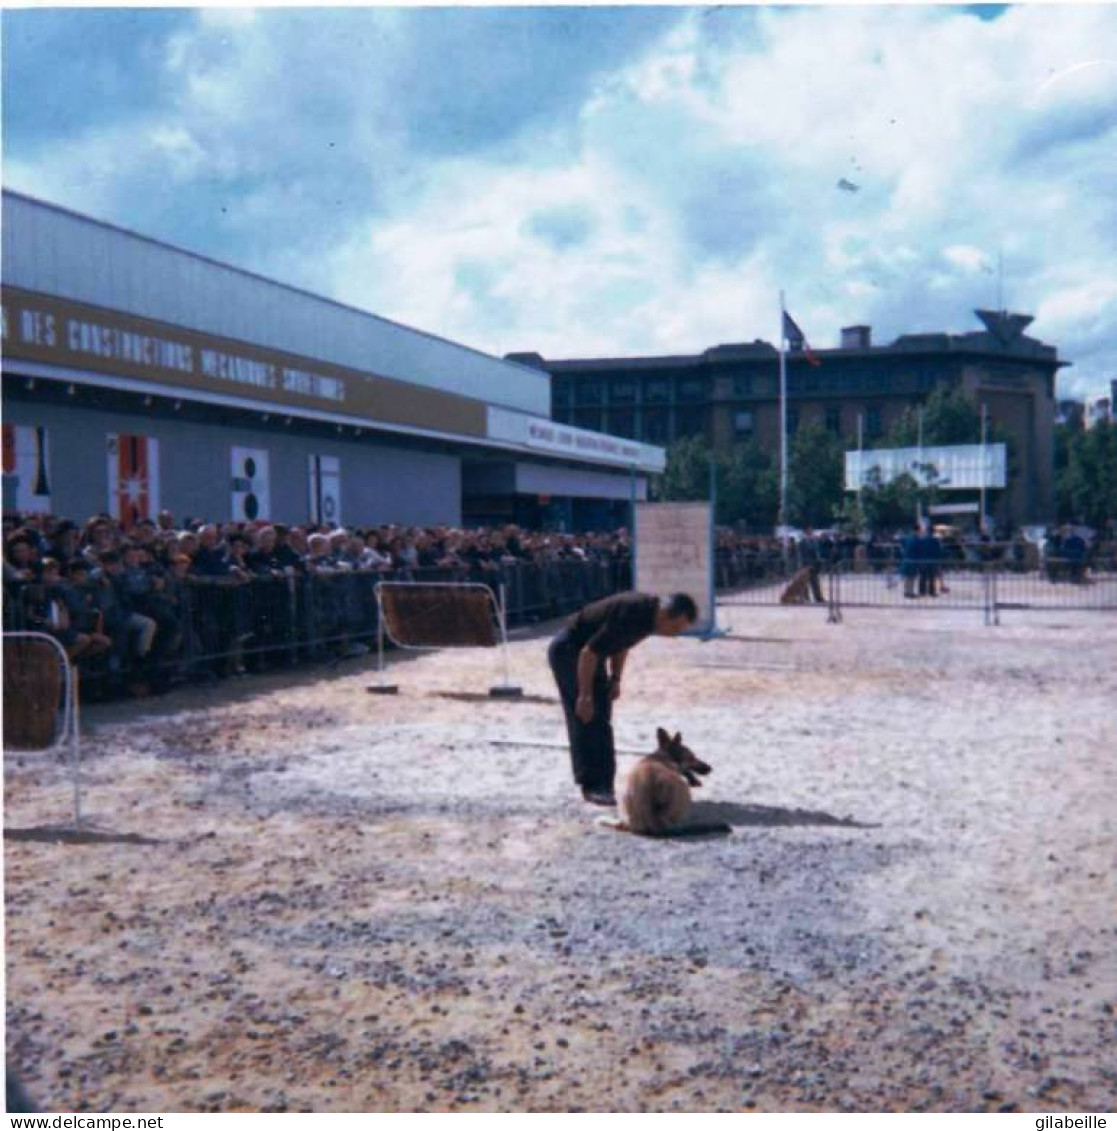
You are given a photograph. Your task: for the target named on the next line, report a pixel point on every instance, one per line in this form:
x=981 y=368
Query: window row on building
x=664 y=424
x=575 y=393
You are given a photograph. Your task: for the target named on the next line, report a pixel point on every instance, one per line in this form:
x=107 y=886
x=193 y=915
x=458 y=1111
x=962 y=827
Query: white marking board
x=674 y=554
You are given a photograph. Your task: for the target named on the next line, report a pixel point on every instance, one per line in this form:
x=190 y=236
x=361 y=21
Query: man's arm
x=588 y=660
x=616 y=665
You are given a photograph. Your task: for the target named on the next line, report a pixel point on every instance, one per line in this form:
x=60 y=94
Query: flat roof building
x=139 y=376
x=731 y=392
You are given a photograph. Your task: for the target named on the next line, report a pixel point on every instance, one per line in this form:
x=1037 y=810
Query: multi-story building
x=731 y=392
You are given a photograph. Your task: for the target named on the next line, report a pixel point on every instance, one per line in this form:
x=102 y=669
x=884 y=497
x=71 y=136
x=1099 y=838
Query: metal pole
x=380 y=687
x=919 y=471
x=73 y=693
x=504 y=634
x=860 y=456
x=981 y=517
x=783 y=434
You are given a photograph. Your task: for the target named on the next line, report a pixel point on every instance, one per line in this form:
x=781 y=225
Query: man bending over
x=588 y=657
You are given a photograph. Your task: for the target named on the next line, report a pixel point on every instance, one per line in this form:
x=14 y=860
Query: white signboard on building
x=556 y=439
x=251 y=494
x=959 y=467
x=26 y=478
x=325 y=489
x=133 y=477
x=674 y=554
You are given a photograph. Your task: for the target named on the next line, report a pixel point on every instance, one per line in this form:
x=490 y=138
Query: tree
x=749 y=486
x=1087 y=485
x=747 y=481
x=949 y=417
x=816 y=476
x=686 y=478
x=894 y=505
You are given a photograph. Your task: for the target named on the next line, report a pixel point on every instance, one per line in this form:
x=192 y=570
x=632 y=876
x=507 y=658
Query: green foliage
x=747 y=480
x=949 y=417
x=817 y=474
x=687 y=475
x=1086 y=474
x=749 y=487
x=893 y=505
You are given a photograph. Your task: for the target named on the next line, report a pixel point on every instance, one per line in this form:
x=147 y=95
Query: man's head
x=144 y=532
x=78 y=571
x=675 y=614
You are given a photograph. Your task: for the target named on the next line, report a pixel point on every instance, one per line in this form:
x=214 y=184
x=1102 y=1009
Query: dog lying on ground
x=656 y=796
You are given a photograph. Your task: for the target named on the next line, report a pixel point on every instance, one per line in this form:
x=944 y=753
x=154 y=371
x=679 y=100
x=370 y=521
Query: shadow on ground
x=67 y=834
x=766 y=816
x=480 y=697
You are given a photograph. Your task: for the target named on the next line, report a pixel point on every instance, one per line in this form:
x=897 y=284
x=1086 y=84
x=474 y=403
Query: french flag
x=797 y=340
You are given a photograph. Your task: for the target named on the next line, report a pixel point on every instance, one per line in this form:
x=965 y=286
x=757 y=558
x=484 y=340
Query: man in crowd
x=588 y=658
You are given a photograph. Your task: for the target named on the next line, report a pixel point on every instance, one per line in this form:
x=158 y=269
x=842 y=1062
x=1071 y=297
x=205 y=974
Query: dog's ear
x=678 y=739
x=663 y=738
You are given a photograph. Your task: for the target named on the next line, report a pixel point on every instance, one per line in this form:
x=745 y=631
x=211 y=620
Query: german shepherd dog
x=656 y=797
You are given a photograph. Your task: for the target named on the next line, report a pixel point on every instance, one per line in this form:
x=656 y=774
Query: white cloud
x=662 y=207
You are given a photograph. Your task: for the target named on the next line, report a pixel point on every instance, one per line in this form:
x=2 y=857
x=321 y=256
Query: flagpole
x=981 y=517
x=860 y=465
x=783 y=432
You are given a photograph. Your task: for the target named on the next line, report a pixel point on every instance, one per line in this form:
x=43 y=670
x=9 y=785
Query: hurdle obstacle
x=41 y=701
x=441 y=614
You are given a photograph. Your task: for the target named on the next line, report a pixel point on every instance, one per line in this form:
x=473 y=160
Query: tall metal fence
x=203 y=628
x=990 y=583
x=199 y=629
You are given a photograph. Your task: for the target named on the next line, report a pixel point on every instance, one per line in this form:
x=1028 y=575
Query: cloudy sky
x=596 y=181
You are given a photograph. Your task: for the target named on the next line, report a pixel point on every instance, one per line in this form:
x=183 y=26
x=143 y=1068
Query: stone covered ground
x=300 y=896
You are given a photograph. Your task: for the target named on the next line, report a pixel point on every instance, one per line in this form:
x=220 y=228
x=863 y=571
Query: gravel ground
x=308 y=898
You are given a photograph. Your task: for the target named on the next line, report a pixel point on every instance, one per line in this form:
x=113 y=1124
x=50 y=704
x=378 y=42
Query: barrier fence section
x=992 y=580
x=41 y=701
x=198 y=628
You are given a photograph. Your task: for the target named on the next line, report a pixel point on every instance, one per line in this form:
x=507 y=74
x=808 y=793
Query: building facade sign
x=55 y=331
x=555 y=439
x=958 y=467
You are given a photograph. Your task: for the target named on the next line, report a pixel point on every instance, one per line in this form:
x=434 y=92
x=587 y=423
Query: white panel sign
x=960 y=467
x=26 y=481
x=544 y=435
x=251 y=495
x=673 y=553
x=133 y=477
x=325 y=489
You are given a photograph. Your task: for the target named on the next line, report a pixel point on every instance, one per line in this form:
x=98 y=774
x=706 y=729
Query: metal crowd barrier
x=220 y=626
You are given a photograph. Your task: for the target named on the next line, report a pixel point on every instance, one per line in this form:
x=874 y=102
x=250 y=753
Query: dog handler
x=588 y=657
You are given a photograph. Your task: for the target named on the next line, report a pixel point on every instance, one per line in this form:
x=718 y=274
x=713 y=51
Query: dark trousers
x=591 y=744
x=816 y=584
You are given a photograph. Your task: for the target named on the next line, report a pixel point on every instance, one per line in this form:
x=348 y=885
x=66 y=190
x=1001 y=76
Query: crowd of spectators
x=167 y=599
x=119 y=601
